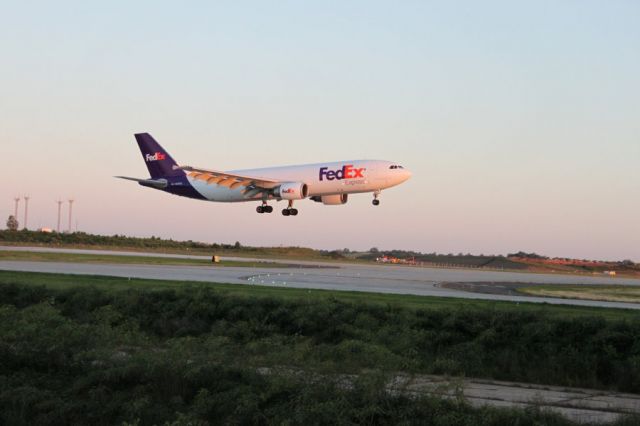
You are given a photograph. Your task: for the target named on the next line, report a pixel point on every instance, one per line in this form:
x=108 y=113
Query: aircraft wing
x=254 y=184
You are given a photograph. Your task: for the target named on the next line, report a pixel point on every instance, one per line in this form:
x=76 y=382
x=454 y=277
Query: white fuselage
x=344 y=177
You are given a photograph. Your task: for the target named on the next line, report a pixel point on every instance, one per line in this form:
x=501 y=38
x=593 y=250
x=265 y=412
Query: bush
x=93 y=356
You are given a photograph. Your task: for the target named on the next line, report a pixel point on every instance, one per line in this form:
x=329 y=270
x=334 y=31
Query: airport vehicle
x=327 y=183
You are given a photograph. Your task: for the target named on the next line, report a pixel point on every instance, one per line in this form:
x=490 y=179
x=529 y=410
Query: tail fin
x=159 y=162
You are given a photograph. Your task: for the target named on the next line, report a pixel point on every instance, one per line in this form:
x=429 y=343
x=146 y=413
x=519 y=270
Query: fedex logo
x=288 y=191
x=346 y=172
x=155 y=157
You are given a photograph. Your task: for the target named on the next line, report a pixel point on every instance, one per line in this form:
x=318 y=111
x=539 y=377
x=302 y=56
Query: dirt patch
x=488 y=287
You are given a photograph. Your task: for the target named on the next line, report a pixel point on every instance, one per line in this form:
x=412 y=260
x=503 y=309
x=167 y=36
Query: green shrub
x=90 y=356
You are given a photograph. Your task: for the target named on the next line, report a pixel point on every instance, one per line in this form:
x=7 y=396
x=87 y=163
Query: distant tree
x=526 y=255
x=335 y=254
x=237 y=245
x=12 y=223
x=374 y=250
x=346 y=250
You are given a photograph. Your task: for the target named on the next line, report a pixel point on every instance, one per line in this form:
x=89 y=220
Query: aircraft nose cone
x=407 y=174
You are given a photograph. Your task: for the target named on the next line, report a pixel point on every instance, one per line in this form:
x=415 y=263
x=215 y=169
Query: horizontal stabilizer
x=152 y=183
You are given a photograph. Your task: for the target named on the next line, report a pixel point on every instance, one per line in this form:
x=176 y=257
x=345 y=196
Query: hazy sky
x=519 y=120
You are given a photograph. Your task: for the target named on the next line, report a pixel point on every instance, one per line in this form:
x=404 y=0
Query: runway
x=340 y=276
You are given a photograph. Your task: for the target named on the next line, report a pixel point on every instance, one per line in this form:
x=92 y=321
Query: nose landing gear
x=375 y=201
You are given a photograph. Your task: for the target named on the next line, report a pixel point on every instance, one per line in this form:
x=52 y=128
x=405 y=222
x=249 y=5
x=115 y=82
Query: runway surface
x=343 y=276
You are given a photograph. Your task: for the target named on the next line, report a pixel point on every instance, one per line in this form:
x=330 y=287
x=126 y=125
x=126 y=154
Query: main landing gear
x=290 y=211
x=264 y=208
x=375 y=201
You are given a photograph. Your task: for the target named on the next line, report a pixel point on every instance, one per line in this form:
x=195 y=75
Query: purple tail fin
x=159 y=162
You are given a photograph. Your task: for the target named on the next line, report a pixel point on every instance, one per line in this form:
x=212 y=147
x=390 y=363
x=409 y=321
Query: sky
x=519 y=120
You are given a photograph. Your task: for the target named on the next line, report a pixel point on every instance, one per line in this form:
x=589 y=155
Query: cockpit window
x=396 y=167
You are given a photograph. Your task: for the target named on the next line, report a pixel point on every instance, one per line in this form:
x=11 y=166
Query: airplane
x=327 y=183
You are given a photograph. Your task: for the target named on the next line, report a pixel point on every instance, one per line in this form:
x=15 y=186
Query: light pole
x=15 y=211
x=26 y=210
x=70 y=212
x=59 y=209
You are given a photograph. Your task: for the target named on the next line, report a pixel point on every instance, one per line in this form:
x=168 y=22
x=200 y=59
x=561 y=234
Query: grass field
x=65 y=281
x=609 y=293
x=124 y=259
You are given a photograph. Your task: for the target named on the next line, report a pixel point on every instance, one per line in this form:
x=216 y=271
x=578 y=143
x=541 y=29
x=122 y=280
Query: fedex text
x=155 y=157
x=346 y=172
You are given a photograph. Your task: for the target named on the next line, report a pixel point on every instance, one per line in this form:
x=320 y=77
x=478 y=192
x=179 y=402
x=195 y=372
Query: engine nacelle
x=331 y=200
x=292 y=191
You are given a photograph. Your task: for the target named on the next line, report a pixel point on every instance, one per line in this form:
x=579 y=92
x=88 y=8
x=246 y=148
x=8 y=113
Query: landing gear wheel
x=293 y=212
x=376 y=194
x=267 y=209
x=285 y=212
x=259 y=209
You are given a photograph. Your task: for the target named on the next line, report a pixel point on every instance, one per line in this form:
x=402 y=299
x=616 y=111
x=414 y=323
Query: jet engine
x=331 y=200
x=291 y=191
